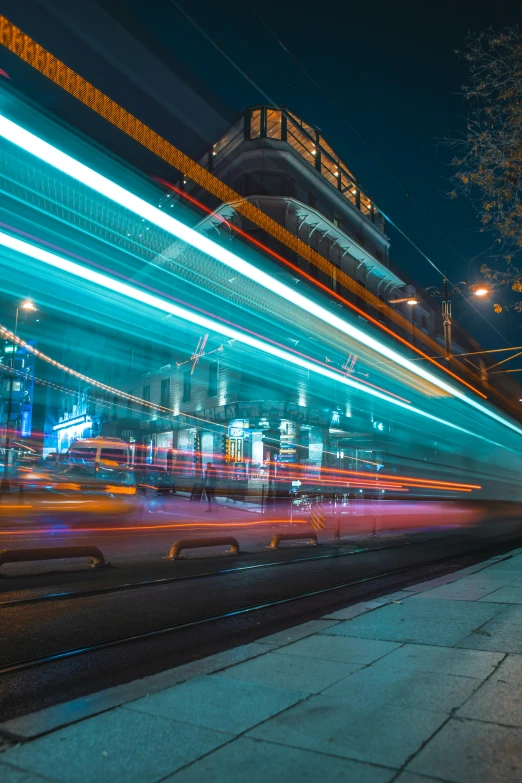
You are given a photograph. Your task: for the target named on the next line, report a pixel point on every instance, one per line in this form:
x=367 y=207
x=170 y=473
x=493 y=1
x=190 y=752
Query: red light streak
x=185 y=304
x=316 y=283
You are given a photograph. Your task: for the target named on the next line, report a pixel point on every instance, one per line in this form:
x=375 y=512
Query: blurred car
x=78 y=491
x=153 y=478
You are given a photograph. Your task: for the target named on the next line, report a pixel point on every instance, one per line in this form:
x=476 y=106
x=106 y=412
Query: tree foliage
x=488 y=159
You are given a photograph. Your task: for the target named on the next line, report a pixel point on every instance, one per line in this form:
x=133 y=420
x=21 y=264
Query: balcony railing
x=265 y=122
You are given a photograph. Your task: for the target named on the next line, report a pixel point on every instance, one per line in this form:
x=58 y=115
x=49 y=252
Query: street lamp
x=28 y=306
x=410 y=300
x=445 y=294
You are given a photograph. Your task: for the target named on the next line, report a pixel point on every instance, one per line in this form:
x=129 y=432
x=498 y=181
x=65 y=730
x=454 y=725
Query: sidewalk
x=420 y=686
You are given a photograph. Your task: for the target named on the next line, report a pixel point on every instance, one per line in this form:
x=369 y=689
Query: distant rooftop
x=259 y=122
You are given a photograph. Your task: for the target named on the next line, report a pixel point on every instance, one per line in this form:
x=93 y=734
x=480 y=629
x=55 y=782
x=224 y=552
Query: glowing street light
x=481 y=291
x=29 y=307
x=410 y=300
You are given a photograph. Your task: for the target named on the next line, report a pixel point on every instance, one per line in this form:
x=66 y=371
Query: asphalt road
x=196 y=588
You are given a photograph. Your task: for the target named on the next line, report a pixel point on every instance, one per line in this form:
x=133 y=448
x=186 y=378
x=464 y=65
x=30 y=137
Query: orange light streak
x=318 y=284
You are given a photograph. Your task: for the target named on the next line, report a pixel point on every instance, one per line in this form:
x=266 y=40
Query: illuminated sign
x=64 y=425
x=236 y=432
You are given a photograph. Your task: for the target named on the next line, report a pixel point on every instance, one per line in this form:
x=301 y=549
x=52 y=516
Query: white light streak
x=97 y=182
x=138 y=295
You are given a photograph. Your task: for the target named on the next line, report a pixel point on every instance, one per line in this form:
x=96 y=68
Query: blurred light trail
x=8 y=335
x=66 y=164
x=182 y=302
x=395 y=477
x=138 y=295
x=317 y=283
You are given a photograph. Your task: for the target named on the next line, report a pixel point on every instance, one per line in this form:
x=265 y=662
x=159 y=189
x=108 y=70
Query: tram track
x=127 y=586
x=64 y=654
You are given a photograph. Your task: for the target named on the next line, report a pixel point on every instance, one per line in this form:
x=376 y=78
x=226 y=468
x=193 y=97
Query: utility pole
x=446 y=315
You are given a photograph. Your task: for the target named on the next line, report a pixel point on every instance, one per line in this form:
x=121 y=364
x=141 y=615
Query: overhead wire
x=390 y=220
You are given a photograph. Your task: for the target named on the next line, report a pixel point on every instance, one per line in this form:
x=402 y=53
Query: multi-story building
x=285 y=167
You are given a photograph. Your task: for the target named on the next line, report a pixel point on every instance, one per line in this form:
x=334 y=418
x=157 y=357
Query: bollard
x=52 y=553
x=197 y=543
x=274 y=544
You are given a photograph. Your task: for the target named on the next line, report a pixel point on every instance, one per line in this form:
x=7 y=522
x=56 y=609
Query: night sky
x=392 y=69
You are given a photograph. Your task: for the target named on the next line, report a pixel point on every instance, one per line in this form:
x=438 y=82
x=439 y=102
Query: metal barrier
x=52 y=553
x=196 y=543
x=274 y=544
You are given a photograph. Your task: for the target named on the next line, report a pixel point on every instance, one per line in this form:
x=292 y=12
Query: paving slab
x=10 y=774
x=340 y=648
x=442 y=623
x=266 y=762
x=496 y=702
x=502 y=633
x=355 y=610
x=431 y=583
x=457 y=591
x=466 y=751
x=505 y=595
x=122 y=746
x=386 y=735
x=444 y=660
x=510 y=670
x=229 y=705
x=293 y=672
x=55 y=717
x=290 y=635
x=511 y=564
x=414 y=689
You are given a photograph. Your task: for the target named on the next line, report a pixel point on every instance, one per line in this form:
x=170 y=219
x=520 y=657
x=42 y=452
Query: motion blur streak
x=316 y=283
x=159 y=304
x=73 y=168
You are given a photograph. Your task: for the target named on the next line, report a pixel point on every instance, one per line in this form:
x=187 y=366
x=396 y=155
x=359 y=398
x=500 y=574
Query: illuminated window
x=255 y=124
x=273 y=124
x=329 y=170
x=301 y=144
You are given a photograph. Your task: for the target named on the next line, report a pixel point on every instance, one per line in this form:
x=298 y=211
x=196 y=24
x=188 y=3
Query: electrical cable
x=361 y=138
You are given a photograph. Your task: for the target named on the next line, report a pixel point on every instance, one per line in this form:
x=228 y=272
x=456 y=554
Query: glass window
x=146 y=393
x=348 y=189
x=329 y=170
x=165 y=393
x=187 y=385
x=273 y=124
x=79 y=454
x=114 y=455
x=366 y=205
x=302 y=144
x=255 y=124
x=212 y=379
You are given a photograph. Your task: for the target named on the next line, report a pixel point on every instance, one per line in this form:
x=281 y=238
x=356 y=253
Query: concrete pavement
x=421 y=685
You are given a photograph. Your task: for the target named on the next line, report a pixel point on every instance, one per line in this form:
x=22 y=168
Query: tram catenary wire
x=30 y=663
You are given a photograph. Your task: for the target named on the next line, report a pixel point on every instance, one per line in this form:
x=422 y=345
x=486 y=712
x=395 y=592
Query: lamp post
x=28 y=306
x=445 y=294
